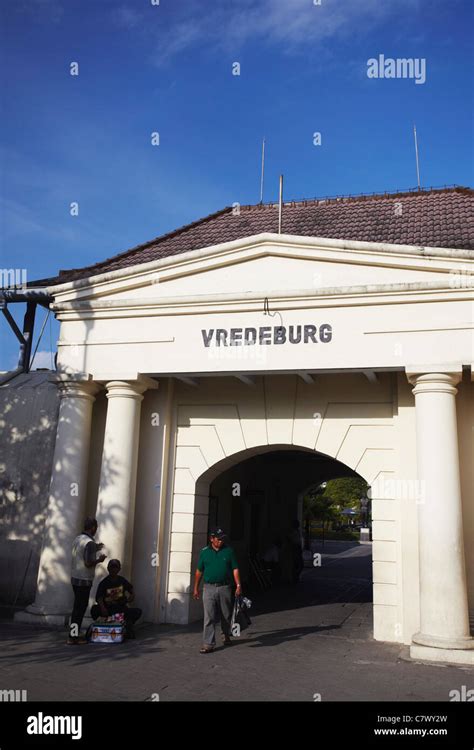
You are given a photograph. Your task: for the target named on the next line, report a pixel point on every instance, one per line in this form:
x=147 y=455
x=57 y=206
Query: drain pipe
x=40 y=295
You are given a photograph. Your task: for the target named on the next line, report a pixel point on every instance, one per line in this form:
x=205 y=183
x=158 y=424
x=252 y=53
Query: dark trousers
x=132 y=614
x=81 y=600
x=298 y=562
x=275 y=572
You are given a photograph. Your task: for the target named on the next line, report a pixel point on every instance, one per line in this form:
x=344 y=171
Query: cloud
x=184 y=35
x=45 y=11
x=292 y=25
x=128 y=18
x=19 y=220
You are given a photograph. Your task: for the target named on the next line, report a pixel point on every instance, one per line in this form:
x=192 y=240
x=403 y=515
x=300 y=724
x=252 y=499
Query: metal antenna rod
x=280 y=204
x=263 y=170
x=416 y=152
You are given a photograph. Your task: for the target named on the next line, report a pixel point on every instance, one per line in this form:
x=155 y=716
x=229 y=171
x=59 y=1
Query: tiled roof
x=434 y=218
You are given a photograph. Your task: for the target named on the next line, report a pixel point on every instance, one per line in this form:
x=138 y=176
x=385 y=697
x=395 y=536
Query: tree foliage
x=325 y=504
x=346 y=492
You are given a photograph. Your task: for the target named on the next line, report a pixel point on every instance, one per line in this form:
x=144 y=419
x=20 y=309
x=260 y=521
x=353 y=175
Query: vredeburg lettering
x=267 y=335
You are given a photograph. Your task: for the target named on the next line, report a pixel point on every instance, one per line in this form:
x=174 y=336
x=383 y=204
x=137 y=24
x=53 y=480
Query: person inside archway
x=271 y=558
x=218 y=565
x=296 y=541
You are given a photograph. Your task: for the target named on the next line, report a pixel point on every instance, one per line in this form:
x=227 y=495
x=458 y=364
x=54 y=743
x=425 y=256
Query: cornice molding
x=349 y=296
x=266 y=245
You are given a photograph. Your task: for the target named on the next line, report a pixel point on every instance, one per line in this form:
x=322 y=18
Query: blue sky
x=167 y=68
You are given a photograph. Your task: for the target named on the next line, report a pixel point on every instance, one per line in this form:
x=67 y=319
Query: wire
x=266 y=311
x=50 y=342
x=39 y=338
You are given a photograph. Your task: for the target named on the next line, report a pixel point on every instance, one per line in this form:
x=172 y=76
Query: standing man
x=84 y=561
x=218 y=566
x=296 y=540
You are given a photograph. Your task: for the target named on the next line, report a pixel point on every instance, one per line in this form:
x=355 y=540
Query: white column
x=67 y=500
x=116 y=500
x=444 y=620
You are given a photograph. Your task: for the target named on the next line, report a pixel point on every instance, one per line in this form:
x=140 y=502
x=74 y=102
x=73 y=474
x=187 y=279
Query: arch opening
x=255 y=496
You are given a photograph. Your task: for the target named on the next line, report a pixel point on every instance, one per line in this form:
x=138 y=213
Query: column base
x=433 y=641
x=36 y=616
x=442 y=655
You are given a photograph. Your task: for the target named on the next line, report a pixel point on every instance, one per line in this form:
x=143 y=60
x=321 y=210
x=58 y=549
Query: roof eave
x=255 y=240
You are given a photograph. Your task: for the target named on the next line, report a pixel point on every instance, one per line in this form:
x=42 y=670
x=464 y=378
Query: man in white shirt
x=84 y=562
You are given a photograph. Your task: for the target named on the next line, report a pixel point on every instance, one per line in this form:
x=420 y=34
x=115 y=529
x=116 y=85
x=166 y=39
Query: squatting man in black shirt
x=114 y=594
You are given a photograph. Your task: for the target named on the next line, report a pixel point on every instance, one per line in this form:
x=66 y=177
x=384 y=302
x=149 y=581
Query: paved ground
x=313 y=639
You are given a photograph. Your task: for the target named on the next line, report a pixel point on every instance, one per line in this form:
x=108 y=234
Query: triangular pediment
x=269 y=263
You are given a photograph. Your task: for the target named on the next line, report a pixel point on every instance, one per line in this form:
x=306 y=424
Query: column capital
x=133 y=388
x=86 y=389
x=434 y=381
x=127 y=377
x=125 y=389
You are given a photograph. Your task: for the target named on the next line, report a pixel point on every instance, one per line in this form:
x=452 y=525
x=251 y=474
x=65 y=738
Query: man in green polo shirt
x=217 y=564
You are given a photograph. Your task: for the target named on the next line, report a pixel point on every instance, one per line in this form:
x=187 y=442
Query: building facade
x=214 y=374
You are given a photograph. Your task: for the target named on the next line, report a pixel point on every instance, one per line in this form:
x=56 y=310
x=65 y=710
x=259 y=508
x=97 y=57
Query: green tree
x=317 y=507
x=346 y=491
x=325 y=502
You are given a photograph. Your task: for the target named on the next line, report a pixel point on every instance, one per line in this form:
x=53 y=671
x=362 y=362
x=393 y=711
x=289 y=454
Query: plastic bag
x=240 y=619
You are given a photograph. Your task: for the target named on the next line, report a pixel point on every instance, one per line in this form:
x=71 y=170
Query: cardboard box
x=107 y=633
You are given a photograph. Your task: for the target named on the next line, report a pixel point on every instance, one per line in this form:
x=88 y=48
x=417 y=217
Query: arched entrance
x=254 y=495
x=222 y=425
x=259 y=500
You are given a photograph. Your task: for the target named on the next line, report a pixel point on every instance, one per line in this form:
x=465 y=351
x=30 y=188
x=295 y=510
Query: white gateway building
x=213 y=374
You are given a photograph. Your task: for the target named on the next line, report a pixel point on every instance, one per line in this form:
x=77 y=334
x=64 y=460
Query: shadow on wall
x=28 y=420
x=181 y=608
x=29 y=407
x=177 y=608
x=61 y=533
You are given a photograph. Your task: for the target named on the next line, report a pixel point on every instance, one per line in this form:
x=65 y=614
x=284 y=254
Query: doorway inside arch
x=267 y=502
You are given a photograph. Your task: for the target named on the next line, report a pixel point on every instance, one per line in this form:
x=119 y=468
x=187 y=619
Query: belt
x=217 y=584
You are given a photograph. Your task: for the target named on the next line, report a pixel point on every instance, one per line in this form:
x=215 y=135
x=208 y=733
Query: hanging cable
x=266 y=311
x=51 y=345
x=39 y=338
